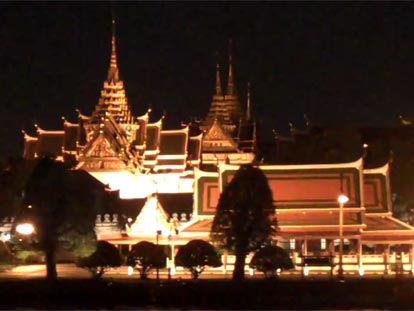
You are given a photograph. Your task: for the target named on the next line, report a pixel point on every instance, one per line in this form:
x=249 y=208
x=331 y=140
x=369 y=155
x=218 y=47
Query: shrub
x=196 y=255
x=269 y=259
x=104 y=257
x=145 y=256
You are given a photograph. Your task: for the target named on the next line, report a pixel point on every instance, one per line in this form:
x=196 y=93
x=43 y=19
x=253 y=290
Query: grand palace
x=175 y=177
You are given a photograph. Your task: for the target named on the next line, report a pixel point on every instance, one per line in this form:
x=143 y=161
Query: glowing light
x=142 y=185
x=278 y=271
x=25 y=229
x=251 y=271
x=305 y=270
x=342 y=199
x=361 y=271
x=130 y=270
x=152 y=216
x=6 y=236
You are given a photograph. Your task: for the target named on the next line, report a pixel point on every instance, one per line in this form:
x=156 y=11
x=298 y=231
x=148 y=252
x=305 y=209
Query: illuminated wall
x=136 y=186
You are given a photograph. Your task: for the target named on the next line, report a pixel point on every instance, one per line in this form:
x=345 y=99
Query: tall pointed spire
x=248 y=108
x=113 y=99
x=219 y=92
x=231 y=91
x=113 y=72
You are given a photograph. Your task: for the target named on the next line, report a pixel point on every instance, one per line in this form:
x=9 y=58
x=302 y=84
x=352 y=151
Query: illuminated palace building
x=174 y=179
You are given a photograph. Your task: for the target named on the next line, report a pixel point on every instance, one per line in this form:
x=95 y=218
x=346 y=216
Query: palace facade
x=174 y=177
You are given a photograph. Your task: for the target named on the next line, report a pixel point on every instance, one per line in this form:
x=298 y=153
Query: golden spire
x=113 y=73
x=248 y=112
x=230 y=83
x=218 y=81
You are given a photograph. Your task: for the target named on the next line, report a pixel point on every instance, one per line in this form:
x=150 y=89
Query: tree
x=196 y=255
x=145 y=256
x=269 y=259
x=13 y=178
x=55 y=204
x=104 y=257
x=245 y=217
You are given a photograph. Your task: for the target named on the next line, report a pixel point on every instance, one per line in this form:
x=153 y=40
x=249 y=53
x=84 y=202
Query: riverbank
x=207 y=294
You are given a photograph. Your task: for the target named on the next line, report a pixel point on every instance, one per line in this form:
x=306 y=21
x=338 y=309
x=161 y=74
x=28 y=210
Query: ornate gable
x=216 y=132
x=101 y=148
x=217 y=138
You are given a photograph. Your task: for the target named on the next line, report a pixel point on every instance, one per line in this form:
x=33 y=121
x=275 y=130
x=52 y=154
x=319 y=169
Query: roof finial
x=230 y=83
x=218 y=81
x=248 y=112
x=113 y=73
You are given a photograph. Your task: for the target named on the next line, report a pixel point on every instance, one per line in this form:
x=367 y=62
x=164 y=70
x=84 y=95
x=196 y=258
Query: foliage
x=14 y=174
x=30 y=256
x=196 y=255
x=245 y=217
x=80 y=244
x=6 y=256
x=269 y=259
x=26 y=250
x=104 y=257
x=145 y=256
x=57 y=206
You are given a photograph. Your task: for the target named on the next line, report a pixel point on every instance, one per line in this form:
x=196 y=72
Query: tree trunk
x=194 y=273
x=51 y=273
x=238 y=272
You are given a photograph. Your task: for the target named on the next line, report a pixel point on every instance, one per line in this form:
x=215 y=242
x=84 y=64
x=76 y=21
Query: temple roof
x=194 y=147
x=153 y=135
x=71 y=136
x=386 y=229
x=151 y=218
x=49 y=143
x=174 y=142
x=217 y=139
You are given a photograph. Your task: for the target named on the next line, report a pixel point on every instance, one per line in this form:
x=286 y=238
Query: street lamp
x=158 y=269
x=25 y=228
x=342 y=199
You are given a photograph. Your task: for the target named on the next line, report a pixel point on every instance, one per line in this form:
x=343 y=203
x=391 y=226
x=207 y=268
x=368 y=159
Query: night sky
x=349 y=63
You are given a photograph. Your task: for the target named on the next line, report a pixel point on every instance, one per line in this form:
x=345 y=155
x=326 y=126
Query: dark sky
x=348 y=63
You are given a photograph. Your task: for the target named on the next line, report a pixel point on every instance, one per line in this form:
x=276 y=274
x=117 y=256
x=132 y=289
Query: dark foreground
x=207 y=294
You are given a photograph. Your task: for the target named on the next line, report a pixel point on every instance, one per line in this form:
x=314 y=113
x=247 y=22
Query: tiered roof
x=111 y=139
x=227 y=129
x=382 y=227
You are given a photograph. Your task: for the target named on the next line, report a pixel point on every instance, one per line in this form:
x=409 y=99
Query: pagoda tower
x=231 y=99
x=110 y=131
x=128 y=153
x=229 y=133
x=113 y=99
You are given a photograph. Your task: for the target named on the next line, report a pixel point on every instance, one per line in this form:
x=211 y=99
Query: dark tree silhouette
x=269 y=259
x=245 y=218
x=145 y=256
x=104 y=257
x=55 y=206
x=196 y=255
x=13 y=178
